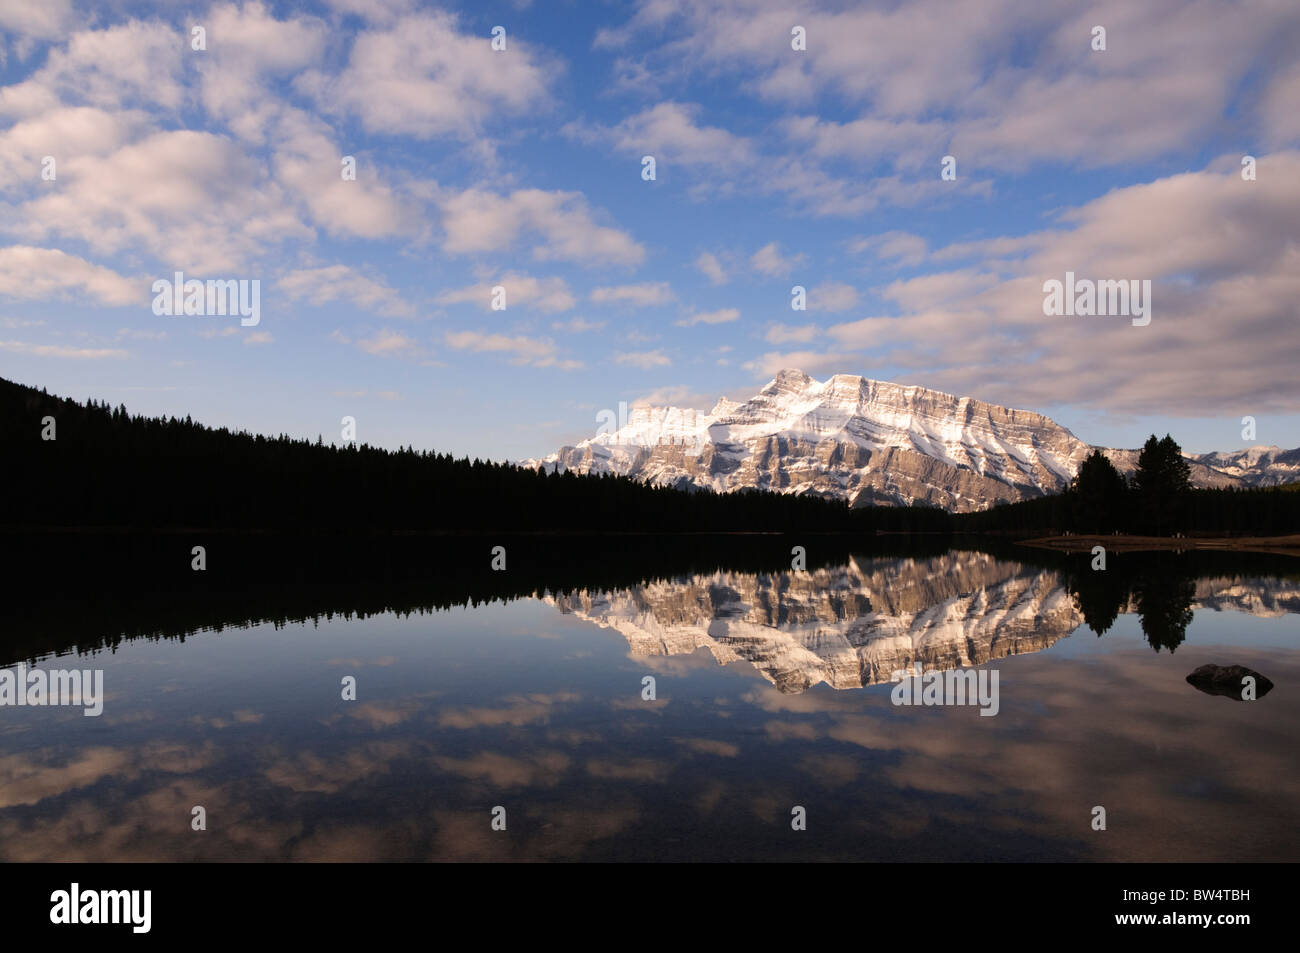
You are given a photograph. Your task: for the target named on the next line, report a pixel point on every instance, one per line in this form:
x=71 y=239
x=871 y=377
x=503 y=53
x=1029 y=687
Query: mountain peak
x=791 y=373
x=725 y=405
x=788 y=379
x=875 y=389
x=873 y=443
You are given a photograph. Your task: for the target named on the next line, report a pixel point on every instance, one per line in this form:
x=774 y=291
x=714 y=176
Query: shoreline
x=1278 y=545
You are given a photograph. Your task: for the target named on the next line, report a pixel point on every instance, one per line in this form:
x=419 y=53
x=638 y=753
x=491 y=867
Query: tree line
x=130 y=586
x=105 y=467
x=113 y=587
x=94 y=466
x=1157 y=500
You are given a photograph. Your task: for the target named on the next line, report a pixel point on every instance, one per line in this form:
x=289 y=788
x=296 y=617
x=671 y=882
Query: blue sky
x=775 y=167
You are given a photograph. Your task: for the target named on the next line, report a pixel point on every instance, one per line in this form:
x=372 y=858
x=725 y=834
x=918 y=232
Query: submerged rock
x=1227 y=680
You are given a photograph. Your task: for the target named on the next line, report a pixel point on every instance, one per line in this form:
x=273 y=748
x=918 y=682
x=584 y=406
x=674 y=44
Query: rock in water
x=1226 y=680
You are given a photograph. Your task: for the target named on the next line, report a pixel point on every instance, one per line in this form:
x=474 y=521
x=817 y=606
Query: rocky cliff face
x=1256 y=466
x=871 y=442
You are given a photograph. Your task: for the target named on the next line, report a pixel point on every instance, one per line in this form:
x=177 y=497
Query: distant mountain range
x=874 y=443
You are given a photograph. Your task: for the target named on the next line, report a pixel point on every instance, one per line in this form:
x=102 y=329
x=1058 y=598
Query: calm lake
x=771 y=692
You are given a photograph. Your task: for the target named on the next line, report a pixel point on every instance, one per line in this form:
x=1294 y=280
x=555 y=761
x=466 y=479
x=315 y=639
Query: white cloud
x=721 y=316
x=35 y=273
x=707 y=264
x=902 y=142
x=386 y=343
x=577 y=325
x=42 y=19
x=480 y=221
x=676 y=395
x=306 y=160
x=545 y=294
x=61 y=133
x=1010 y=85
x=59 y=350
x=538 y=352
x=422 y=76
x=247 y=46
x=341 y=282
x=1281 y=117
x=194 y=200
x=769 y=261
x=901 y=248
x=1225 y=272
x=638 y=296
x=724 y=164
x=376 y=11
x=130 y=63
x=645 y=360
x=810 y=362
x=832 y=296
x=789 y=334
x=669 y=132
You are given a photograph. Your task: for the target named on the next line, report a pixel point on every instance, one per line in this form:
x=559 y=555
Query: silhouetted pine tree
x=1099 y=495
x=1161 y=484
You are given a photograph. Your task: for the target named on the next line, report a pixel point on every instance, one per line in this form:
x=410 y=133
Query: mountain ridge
x=873 y=443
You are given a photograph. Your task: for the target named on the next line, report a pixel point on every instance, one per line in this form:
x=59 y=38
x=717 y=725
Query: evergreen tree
x=1162 y=483
x=1162 y=468
x=1098 y=495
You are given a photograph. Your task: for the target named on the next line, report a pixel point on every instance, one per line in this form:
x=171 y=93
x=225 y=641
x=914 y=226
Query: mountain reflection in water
x=222 y=690
x=857 y=624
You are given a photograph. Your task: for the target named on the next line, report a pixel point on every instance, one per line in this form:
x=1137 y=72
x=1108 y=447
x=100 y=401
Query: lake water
x=772 y=692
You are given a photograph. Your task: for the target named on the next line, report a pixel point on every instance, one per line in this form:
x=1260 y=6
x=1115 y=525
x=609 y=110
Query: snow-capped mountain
x=1256 y=466
x=872 y=442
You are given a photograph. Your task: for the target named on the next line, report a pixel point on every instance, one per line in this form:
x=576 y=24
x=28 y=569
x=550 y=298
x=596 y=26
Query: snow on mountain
x=872 y=442
x=1256 y=466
